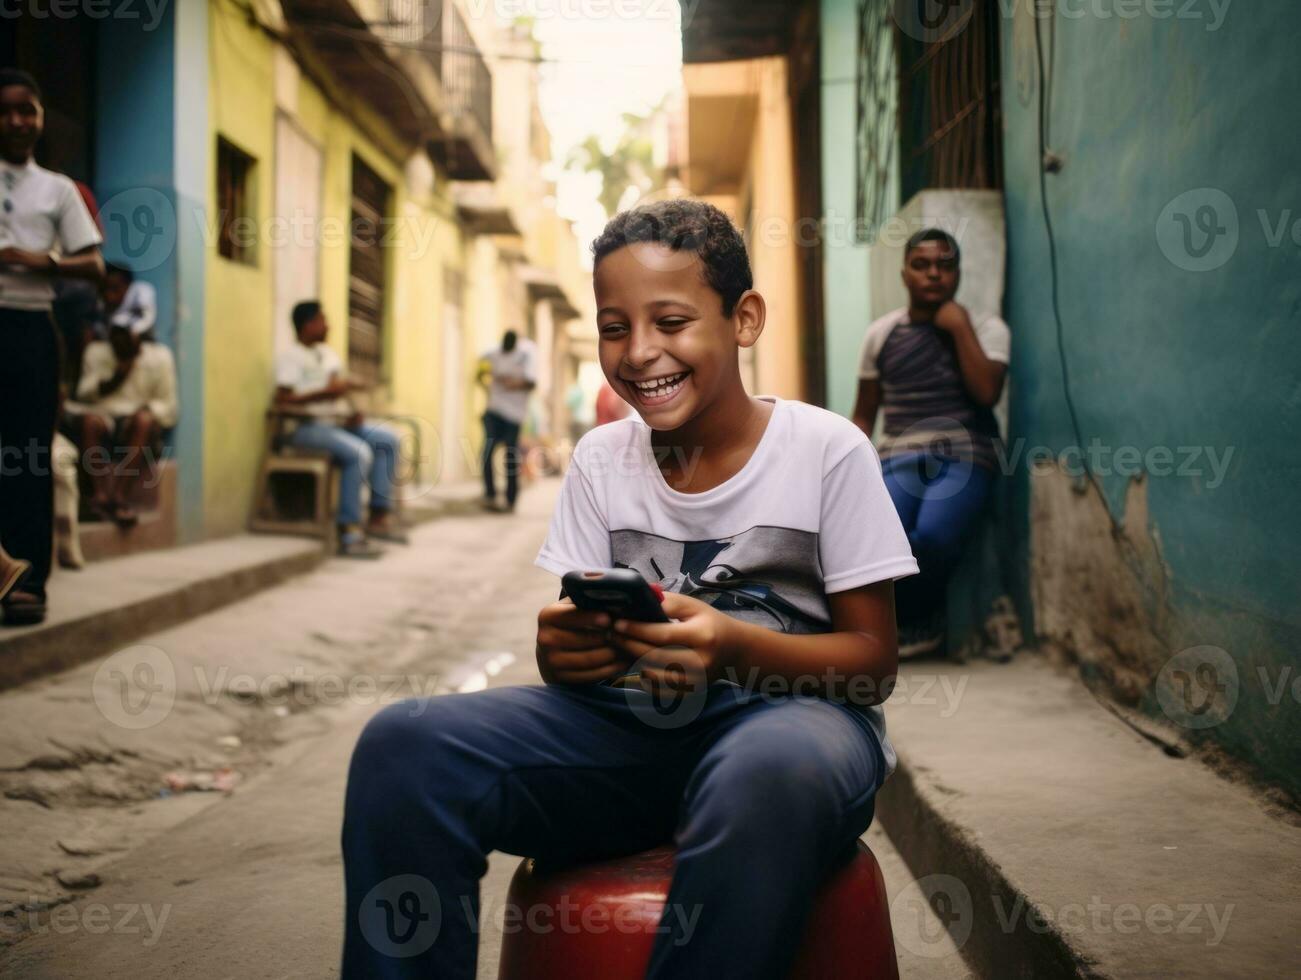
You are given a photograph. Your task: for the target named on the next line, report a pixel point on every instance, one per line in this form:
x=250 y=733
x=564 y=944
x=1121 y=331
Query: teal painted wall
x=1175 y=337
x=846 y=279
x=151 y=110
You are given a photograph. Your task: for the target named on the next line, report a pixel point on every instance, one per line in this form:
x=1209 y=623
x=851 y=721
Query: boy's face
x=931 y=274
x=113 y=290
x=665 y=345
x=21 y=121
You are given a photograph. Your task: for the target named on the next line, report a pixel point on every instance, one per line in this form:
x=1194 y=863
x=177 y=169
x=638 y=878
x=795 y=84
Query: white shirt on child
x=42 y=212
x=808 y=515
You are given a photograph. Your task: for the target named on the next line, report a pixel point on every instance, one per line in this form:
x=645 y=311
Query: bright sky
x=605 y=58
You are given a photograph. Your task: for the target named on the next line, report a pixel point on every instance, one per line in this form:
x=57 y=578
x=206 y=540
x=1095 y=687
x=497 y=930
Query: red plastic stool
x=597 y=922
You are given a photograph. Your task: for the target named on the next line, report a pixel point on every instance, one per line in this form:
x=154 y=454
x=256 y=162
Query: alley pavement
x=173 y=809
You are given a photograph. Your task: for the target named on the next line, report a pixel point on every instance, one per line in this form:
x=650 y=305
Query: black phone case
x=621 y=592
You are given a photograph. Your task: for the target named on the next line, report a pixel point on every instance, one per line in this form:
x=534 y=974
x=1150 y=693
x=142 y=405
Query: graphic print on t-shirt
x=769 y=576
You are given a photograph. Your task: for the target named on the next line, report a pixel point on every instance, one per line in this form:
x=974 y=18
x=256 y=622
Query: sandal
x=23 y=609
x=11 y=572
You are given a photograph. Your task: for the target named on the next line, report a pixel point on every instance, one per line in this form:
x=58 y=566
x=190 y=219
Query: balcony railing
x=446 y=42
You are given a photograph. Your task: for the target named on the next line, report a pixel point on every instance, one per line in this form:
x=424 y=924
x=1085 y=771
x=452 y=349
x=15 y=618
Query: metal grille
x=465 y=74
x=875 y=136
x=370 y=196
x=949 y=104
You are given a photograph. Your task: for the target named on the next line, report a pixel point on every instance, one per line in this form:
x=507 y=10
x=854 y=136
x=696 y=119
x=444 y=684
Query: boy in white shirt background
x=45 y=233
x=769 y=527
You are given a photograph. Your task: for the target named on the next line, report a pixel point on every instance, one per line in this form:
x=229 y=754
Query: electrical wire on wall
x=1050 y=162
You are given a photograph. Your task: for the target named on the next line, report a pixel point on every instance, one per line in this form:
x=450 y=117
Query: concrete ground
x=1058 y=841
x=106 y=872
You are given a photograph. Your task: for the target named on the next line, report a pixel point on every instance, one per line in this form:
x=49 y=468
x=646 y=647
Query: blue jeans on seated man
x=938 y=499
x=368 y=452
x=763 y=796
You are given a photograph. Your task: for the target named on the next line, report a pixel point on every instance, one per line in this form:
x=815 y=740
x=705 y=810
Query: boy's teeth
x=659 y=383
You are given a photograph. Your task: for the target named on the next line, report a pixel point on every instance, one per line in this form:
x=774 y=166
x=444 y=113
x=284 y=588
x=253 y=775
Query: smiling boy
x=769 y=526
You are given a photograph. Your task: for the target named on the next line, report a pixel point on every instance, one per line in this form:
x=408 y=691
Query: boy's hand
x=685 y=655
x=951 y=316
x=574 y=646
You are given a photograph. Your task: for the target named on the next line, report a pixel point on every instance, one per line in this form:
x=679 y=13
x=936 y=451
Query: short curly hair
x=685 y=226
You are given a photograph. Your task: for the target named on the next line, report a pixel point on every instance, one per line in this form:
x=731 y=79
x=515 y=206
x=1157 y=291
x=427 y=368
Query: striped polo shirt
x=926 y=406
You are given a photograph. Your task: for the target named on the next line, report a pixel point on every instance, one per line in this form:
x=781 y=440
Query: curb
x=29 y=654
x=932 y=844
x=50 y=649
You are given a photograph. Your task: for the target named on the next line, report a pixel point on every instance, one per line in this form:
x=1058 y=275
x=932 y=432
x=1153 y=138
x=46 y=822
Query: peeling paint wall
x=1178 y=241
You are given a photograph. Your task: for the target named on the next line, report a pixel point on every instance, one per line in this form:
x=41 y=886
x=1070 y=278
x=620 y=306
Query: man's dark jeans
x=499 y=431
x=29 y=402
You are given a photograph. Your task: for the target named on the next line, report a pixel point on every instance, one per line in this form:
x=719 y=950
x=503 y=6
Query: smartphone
x=621 y=592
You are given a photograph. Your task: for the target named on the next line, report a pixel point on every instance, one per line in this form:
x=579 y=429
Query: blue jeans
x=938 y=500
x=763 y=796
x=368 y=452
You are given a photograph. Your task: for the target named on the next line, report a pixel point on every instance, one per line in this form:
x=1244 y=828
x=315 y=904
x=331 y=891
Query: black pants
x=499 y=431
x=29 y=402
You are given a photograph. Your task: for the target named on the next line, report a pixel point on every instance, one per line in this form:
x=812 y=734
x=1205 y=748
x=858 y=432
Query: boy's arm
x=867 y=404
x=982 y=377
x=856 y=662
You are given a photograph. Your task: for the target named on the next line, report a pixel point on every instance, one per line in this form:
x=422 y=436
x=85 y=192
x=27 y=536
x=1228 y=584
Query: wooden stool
x=848 y=936
x=282 y=465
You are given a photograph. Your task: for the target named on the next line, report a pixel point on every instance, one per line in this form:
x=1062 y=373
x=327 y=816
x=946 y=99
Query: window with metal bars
x=366 y=274
x=929 y=94
x=236 y=237
x=950 y=112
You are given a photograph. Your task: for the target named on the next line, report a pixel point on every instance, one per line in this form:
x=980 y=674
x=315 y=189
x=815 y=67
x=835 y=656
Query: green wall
x=1173 y=337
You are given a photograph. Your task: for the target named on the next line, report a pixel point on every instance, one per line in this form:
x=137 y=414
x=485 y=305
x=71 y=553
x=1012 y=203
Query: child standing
x=769 y=526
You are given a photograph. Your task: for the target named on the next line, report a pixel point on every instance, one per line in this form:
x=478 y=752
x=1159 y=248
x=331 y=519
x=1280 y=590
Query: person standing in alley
x=510 y=373
x=46 y=232
x=937 y=370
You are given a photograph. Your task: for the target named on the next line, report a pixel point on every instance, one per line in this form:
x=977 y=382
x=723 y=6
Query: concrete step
x=109 y=603
x=1055 y=841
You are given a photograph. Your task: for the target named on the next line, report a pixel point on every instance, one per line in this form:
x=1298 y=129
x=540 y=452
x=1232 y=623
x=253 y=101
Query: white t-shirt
x=151 y=384
x=40 y=211
x=303 y=369
x=807 y=515
x=519 y=363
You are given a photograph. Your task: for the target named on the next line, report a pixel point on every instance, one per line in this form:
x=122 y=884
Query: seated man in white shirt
x=310 y=381
x=125 y=402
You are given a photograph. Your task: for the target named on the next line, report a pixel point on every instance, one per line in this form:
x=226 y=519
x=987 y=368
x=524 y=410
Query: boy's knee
x=393 y=727
x=359 y=454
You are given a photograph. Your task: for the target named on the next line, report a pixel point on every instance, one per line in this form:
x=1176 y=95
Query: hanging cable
x=1046 y=161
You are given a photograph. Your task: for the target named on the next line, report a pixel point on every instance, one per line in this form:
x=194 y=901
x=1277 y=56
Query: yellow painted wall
x=240 y=337
x=760 y=178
